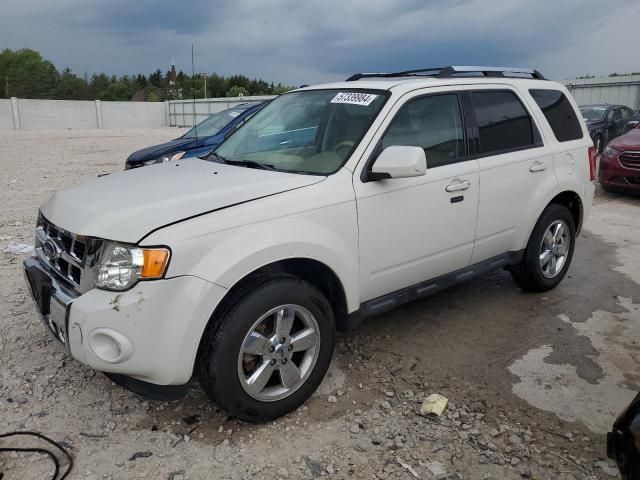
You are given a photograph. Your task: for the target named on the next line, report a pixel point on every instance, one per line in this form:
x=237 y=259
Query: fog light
x=110 y=346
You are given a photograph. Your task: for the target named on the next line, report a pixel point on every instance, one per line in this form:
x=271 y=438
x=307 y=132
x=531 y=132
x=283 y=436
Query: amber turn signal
x=155 y=262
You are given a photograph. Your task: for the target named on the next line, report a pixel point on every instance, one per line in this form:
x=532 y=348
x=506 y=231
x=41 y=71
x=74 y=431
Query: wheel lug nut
x=272 y=362
x=282 y=340
x=272 y=349
x=284 y=360
x=290 y=347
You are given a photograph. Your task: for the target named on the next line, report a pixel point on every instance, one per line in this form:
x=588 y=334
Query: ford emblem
x=51 y=250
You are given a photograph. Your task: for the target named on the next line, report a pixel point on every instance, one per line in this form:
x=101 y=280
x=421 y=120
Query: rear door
x=516 y=170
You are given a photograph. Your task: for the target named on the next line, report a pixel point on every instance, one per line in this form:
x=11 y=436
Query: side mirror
x=399 y=162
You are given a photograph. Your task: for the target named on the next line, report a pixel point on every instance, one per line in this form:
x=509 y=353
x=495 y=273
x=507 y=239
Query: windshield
x=593 y=113
x=212 y=125
x=311 y=131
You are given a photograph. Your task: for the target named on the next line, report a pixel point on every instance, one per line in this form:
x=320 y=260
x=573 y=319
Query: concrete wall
x=181 y=112
x=622 y=90
x=25 y=114
x=61 y=114
x=6 y=115
x=133 y=114
x=51 y=114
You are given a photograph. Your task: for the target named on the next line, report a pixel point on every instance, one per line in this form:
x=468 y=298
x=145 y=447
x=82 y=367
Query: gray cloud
x=309 y=42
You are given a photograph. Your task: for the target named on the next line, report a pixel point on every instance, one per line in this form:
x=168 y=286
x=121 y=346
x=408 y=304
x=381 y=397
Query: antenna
x=193 y=88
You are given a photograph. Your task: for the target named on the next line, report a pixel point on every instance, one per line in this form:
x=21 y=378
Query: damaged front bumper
x=143 y=338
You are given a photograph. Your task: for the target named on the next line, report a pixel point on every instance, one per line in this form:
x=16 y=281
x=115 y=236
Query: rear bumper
x=151 y=332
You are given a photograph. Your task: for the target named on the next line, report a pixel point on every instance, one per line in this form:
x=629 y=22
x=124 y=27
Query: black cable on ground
x=44 y=451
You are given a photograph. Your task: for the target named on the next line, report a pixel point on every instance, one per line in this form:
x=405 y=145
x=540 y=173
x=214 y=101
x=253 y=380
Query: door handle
x=538 y=167
x=458 y=185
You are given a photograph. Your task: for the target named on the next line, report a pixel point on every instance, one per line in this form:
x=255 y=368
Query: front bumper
x=150 y=332
x=613 y=175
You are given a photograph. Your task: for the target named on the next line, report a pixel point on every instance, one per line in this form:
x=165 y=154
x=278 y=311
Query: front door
x=415 y=229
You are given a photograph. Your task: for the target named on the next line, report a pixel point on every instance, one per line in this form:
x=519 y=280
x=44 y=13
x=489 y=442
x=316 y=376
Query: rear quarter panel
x=570 y=158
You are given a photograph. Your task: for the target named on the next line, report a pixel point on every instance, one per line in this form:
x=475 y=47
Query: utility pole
x=206 y=74
x=6 y=86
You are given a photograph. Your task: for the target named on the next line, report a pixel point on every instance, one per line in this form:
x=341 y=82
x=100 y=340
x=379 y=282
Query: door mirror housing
x=399 y=161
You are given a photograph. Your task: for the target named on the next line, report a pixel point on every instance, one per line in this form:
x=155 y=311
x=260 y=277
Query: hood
x=628 y=141
x=177 y=145
x=127 y=205
x=155 y=151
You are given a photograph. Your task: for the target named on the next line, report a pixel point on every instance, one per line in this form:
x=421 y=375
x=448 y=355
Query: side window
x=614 y=115
x=627 y=112
x=433 y=123
x=503 y=121
x=559 y=113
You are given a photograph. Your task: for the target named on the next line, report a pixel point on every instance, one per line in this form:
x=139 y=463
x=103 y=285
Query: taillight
x=592 y=163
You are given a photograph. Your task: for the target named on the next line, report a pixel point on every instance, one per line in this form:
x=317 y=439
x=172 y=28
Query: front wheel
x=268 y=351
x=549 y=252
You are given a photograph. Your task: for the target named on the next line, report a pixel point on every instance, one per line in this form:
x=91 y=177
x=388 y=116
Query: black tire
x=528 y=274
x=220 y=349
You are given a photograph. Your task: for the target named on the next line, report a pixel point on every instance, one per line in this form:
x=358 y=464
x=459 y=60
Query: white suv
x=333 y=203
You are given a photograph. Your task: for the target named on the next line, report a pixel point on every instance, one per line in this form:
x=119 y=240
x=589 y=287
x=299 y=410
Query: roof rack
x=456 y=71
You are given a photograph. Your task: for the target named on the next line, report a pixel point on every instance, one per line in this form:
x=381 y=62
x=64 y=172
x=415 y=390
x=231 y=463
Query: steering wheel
x=345 y=145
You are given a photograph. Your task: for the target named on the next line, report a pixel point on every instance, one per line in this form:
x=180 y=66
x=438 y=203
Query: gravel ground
x=477 y=344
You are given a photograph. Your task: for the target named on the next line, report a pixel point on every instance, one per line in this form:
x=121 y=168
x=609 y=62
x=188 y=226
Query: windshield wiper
x=242 y=163
x=216 y=156
x=248 y=163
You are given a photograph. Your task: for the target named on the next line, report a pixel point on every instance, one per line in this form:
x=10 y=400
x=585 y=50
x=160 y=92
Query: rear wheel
x=268 y=350
x=549 y=252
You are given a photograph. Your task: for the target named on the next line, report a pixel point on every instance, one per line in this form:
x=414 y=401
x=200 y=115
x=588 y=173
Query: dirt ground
x=533 y=380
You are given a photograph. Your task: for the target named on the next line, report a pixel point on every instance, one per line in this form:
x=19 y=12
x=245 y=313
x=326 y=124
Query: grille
x=630 y=159
x=71 y=251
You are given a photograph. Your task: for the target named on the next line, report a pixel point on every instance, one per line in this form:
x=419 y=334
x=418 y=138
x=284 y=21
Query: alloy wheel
x=554 y=249
x=278 y=353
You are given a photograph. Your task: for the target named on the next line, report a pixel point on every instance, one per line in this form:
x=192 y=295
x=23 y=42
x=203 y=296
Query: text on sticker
x=354 y=98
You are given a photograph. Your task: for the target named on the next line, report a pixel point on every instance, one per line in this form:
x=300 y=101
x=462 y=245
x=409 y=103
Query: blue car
x=197 y=142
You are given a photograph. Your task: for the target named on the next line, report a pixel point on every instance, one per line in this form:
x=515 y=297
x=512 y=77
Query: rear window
x=559 y=113
x=503 y=122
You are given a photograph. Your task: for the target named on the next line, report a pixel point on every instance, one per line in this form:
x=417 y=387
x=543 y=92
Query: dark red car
x=620 y=163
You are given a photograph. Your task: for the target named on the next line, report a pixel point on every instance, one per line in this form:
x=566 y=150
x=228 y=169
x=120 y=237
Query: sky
x=308 y=41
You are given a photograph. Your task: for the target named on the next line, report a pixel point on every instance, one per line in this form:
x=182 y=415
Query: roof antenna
x=193 y=87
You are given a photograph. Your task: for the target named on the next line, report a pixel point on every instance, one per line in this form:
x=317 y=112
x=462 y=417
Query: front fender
x=225 y=246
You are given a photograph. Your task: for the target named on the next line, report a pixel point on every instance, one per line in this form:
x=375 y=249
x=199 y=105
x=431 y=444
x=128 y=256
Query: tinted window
x=627 y=112
x=614 y=115
x=559 y=113
x=433 y=123
x=503 y=121
x=594 y=113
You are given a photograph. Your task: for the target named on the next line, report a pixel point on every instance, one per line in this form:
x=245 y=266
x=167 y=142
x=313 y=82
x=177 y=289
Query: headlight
x=122 y=266
x=610 y=152
x=166 y=158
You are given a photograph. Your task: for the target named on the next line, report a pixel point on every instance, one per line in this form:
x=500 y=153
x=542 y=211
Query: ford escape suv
x=331 y=204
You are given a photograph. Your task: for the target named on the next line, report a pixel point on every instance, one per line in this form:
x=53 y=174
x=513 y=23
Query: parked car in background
x=620 y=163
x=623 y=442
x=197 y=142
x=606 y=122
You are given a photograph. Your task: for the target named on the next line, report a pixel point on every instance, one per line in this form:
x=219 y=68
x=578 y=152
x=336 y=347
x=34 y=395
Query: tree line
x=25 y=74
